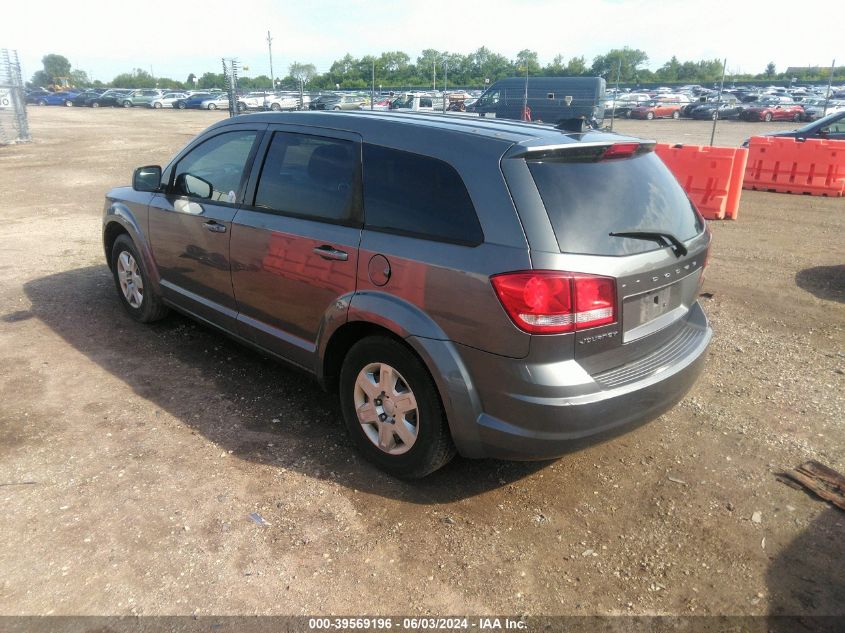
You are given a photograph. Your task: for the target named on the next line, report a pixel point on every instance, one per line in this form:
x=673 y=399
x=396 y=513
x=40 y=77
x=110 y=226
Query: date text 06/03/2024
x=418 y=623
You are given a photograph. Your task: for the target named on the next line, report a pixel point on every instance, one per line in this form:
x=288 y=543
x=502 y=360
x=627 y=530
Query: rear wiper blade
x=663 y=237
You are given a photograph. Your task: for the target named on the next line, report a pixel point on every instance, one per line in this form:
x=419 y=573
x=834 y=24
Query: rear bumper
x=527 y=417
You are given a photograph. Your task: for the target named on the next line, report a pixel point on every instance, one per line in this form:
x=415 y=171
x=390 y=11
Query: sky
x=174 y=38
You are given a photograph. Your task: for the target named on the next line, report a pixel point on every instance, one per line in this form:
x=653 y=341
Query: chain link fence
x=14 y=127
x=230 y=73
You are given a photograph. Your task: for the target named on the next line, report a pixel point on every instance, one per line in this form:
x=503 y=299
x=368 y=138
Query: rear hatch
x=615 y=213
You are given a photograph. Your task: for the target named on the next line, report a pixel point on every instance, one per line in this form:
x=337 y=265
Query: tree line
x=396 y=69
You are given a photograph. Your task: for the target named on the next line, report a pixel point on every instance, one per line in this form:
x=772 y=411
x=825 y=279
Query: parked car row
x=774 y=104
x=216 y=99
x=180 y=100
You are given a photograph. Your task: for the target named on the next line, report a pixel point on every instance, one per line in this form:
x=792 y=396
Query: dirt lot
x=131 y=456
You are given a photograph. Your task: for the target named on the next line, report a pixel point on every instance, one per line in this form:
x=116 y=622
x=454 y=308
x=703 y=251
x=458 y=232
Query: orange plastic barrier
x=711 y=176
x=813 y=167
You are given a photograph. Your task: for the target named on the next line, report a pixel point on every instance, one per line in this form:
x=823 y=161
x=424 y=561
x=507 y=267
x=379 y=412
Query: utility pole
x=434 y=75
x=829 y=81
x=718 y=102
x=445 y=81
x=525 y=97
x=615 y=93
x=270 y=51
x=373 y=88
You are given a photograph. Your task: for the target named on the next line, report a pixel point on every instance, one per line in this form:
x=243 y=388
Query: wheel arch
x=119 y=220
x=379 y=314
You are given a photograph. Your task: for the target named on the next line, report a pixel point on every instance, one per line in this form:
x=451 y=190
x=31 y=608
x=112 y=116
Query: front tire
x=768 y=117
x=127 y=104
x=69 y=103
x=157 y=105
x=211 y=106
x=180 y=106
x=133 y=283
x=796 y=118
x=676 y=115
x=275 y=107
x=392 y=409
x=95 y=104
x=649 y=115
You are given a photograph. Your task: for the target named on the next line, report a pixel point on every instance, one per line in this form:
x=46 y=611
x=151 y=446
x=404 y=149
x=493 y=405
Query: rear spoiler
x=583 y=152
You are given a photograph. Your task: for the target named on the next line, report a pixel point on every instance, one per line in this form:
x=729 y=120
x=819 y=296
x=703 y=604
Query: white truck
x=417 y=102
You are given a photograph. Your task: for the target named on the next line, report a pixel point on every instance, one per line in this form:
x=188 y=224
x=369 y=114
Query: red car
x=773 y=112
x=656 y=110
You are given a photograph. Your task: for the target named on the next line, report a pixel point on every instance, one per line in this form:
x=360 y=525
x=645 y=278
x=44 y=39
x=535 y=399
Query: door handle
x=215 y=227
x=327 y=252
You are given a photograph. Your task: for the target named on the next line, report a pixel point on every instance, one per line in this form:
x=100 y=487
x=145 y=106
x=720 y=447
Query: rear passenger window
x=418 y=196
x=310 y=176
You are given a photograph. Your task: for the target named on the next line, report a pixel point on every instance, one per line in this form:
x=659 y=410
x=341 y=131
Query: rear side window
x=311 y=177
x=587 y=200
x=419 y=196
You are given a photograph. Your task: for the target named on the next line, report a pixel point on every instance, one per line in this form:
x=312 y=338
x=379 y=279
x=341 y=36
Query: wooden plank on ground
x=822 y=481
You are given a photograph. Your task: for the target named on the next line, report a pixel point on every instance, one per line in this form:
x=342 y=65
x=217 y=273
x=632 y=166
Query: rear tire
x=157 y=105
x=127 y=104
x=41 y=102
x=676 y=115
x=796 y=118
x=768 y=117
x=392 y=409
x=649 y=115
x=180 y=106
x=95 y=104
x=69 y=103
x=211 y=106
x=275 y=107
x=133 y=285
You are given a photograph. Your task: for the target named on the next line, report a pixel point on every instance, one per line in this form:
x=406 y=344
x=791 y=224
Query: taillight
x=553 y=302
x=620 y=150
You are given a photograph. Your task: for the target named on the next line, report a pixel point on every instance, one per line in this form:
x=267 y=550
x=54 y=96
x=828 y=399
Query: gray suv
x=491 y=288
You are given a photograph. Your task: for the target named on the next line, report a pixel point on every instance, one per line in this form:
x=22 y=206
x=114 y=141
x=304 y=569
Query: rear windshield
x=587 y=200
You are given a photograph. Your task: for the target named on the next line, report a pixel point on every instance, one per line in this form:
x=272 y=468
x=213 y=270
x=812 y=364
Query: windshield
x=587 y=200
x=819 y=123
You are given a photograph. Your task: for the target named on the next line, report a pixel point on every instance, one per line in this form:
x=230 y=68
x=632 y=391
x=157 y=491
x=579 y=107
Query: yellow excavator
x=60 y=84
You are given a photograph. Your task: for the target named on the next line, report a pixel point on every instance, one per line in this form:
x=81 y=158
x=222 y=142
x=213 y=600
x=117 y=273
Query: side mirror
x=147 y=178
x=824 y=131
x=194 y=186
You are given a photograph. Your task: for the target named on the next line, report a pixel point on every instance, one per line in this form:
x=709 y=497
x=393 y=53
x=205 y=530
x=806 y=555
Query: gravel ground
x=132 y=456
